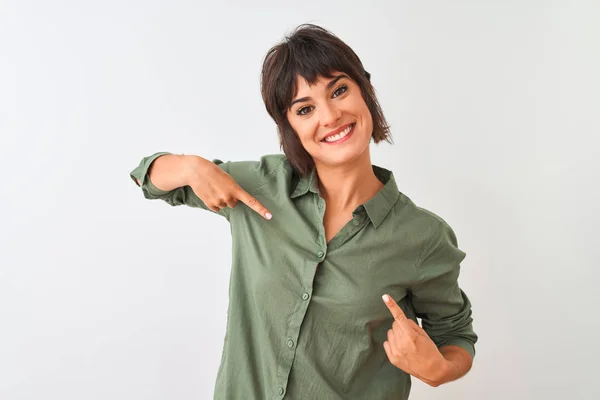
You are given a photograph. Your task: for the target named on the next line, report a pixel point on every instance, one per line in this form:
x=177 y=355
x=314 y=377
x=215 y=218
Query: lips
x=338 y=134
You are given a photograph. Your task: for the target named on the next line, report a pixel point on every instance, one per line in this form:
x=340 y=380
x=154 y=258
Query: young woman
x=321 y=237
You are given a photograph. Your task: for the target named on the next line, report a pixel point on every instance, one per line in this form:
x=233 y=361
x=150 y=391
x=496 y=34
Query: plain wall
x=105 y=295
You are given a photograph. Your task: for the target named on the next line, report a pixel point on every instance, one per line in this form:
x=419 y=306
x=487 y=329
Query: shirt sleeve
x=437 y=299
x=248 y=174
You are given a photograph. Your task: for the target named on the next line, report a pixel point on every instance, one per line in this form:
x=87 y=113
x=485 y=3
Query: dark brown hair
x=311 y=52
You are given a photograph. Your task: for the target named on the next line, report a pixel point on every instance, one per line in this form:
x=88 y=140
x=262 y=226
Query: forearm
x=172 y=171
x=459 y=362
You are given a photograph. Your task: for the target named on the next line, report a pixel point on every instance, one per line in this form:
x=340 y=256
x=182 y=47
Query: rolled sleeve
x=444 y=309
x=141 y=171
x=176 y=197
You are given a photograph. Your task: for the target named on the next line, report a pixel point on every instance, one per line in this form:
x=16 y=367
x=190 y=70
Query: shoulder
x=433 y=239
x=273 y=161
x=256 y=174
x=265 y=165
x=426 y=224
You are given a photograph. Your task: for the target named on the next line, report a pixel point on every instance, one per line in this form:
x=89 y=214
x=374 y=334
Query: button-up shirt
x=305 y=318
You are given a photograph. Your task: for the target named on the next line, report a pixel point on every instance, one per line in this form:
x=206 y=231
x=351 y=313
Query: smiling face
x=331 y=119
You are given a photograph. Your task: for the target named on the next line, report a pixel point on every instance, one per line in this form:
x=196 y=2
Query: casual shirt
x=305 y=318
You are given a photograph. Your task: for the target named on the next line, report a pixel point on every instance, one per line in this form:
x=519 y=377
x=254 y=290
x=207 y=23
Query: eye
x=304 y=110
x=340 y=91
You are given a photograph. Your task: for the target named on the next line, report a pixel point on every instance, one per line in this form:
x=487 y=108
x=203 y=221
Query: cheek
x=360 y=109
x=367 y=118
x=305 y=131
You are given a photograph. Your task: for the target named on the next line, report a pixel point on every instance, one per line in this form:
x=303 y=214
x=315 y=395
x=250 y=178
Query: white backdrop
x=105 y=295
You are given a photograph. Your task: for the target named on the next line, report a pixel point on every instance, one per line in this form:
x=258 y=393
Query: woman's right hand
x=217 y=189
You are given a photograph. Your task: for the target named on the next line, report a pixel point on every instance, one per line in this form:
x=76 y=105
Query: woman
x=321 y=235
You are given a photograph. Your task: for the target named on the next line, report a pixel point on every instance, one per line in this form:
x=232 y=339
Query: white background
x=105 y=295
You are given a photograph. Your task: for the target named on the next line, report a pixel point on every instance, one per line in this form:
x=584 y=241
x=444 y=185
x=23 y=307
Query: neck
x=346 y=187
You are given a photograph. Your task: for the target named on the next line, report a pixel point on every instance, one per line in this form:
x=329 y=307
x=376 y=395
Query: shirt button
x=355 y=222
x=320 y=254
x=305 y=296
x=280 y=391
x=290 y=343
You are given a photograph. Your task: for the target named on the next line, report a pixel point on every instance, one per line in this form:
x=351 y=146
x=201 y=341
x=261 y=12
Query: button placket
x=290 y=340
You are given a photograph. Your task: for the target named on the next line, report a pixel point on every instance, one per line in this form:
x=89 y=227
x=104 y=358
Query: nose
x=329 y=114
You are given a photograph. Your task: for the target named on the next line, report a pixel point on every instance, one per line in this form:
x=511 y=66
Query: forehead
x=303 y=86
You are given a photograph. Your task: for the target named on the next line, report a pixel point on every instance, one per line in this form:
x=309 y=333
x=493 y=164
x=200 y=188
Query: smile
x=341 y=136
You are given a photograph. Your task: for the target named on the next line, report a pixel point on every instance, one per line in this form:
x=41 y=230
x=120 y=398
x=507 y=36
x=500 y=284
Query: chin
x=343 y=157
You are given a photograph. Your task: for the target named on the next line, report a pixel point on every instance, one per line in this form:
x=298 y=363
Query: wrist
x=443 y=372
x=193 y=167
x=451 y=371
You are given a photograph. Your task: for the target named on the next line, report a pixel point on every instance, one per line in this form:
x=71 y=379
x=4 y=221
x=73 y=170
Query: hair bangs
x=310 y=60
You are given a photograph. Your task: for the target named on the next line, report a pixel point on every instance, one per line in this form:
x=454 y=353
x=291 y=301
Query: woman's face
x=331 y=119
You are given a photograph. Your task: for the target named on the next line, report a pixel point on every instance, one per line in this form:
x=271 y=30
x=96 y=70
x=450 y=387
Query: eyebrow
x=329 y=86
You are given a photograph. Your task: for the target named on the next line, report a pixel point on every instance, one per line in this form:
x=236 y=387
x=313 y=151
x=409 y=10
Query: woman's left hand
x=410 y=348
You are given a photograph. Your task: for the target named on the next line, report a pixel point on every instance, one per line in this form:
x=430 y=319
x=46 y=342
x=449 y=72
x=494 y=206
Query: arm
x=411 y=349
x=167 y=177
x=443 y=307
x=171 y=171
x=459 y=362
x=196 y=182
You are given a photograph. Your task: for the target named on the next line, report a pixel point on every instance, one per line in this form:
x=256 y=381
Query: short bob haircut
x=311 y=52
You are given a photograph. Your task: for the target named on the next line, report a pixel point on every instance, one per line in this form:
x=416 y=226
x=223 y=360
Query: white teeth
x=338 y=136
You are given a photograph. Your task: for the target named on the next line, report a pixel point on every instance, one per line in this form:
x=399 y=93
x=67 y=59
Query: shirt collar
x=377 y=208
x=306 y=183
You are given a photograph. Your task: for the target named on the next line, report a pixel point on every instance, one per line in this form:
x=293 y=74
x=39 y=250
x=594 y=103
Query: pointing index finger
x=254 y=204
x=394 y=308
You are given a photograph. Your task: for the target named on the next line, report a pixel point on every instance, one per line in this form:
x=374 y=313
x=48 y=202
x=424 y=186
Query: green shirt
x=302 y=332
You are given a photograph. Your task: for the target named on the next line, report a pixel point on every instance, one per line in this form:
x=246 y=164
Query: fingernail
x=268 y=215
x=385 y=298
